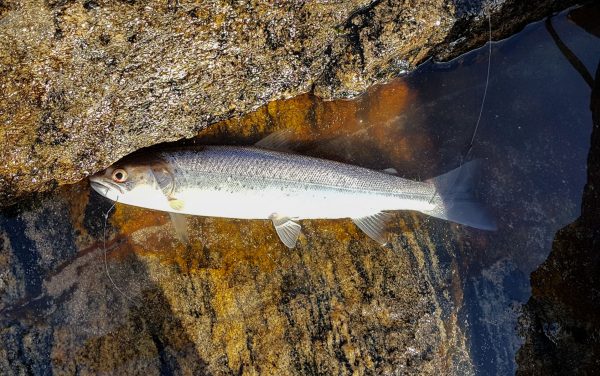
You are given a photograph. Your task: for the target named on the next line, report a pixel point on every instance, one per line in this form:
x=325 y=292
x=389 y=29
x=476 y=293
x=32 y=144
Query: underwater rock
x=83 y=83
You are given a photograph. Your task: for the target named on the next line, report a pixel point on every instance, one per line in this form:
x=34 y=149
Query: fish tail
x=454 y=199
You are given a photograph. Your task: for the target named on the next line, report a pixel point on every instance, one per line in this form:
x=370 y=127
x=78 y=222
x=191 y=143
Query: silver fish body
x=254 y=183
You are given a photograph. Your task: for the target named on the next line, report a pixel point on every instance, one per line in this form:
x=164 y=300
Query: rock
x=83 y=83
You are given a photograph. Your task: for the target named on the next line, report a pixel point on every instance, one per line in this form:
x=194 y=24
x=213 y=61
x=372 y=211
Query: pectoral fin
x=287 y=229
x=374 y=226
x=180 y=224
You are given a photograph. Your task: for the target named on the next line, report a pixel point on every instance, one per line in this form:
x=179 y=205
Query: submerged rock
x=83 y=83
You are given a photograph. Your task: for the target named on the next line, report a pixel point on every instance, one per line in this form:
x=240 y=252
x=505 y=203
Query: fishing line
x=106 y=252
x=469 y=149
x=487 y=83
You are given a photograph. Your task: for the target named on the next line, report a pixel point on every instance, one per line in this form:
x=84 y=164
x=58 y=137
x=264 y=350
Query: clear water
x=58 y=306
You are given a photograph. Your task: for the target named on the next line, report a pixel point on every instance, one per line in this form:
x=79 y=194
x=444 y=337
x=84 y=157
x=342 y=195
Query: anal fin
x=287 y=230
x=374 y=226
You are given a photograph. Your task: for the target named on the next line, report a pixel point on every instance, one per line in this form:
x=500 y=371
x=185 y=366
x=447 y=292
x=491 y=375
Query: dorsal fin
x=282 y=140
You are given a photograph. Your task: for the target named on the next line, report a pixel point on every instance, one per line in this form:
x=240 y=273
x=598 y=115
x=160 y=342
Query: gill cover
x=162 y=178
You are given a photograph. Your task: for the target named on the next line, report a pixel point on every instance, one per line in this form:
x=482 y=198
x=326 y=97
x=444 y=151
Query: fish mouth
x=105 y=188
x=99 y=187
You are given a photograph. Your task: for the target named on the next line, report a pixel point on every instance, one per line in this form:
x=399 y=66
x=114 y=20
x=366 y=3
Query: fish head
x=135 y=181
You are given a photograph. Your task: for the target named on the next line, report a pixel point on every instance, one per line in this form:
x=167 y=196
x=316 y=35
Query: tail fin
x=454 y=199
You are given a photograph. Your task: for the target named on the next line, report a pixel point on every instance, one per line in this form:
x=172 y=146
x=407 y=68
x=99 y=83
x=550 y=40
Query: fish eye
x=119 y=175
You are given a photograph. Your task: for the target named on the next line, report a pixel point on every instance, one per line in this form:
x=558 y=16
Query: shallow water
x=442 y=297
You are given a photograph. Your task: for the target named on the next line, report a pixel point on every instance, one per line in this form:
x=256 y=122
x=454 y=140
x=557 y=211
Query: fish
x=255 y=182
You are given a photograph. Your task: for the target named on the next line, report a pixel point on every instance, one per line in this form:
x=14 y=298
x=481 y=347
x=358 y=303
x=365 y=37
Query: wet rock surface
x=84 y=83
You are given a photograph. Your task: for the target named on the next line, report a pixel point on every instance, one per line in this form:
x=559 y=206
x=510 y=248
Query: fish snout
x=105 y=187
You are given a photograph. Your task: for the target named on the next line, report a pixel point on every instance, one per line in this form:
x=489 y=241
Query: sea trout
x=256 y=183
